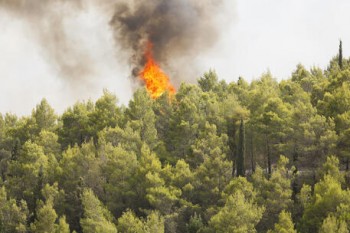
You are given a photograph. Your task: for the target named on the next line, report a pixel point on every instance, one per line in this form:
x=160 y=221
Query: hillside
x=214 y=157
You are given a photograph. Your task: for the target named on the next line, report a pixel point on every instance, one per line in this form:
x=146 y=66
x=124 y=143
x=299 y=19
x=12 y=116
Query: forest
x=264 y=156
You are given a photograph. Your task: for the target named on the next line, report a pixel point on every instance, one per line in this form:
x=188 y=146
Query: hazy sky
x=257 y=35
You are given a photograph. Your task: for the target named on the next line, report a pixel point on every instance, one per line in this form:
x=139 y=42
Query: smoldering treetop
x=176 y=28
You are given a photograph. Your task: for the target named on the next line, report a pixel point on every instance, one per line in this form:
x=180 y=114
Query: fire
x=156 y=81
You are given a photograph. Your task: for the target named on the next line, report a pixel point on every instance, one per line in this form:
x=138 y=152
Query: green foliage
x=142 y=118
x=49 y=142
x=75 y=125
x=195 y=224
x=340 y=55
x=13 y=215
x=44 y=116
x=305 y=195
x=331 y=224
x=118 y=169
x=96 y=218
x=328 y=195
x=62 y=226
x=274 y=193
x=284 y=224
x=209 y=81
x=240 y=184
x=208 y=145
x=331 y=168
x=160 y=196
x=171 y=164
x=45 y=218
x=28 y=173
x=105 y=114
x=211 y=177
x=154 y=223
x=238 y=215
x=129 y=223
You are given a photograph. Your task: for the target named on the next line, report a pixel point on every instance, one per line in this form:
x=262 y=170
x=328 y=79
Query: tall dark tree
x=231 y=133
x=340 y=61
x=241 y=150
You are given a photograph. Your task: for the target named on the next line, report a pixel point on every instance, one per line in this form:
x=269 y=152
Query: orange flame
x=156 y=81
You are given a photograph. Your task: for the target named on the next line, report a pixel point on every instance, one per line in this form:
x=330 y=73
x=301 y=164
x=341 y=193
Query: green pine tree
x=96 y=218
x=340 y=58
x=284 y=224
x=241 y=150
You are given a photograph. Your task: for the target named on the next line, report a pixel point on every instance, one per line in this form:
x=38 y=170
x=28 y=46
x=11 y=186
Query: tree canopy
x=261 y=156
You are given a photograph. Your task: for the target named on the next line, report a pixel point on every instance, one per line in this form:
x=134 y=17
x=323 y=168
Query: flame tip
x=155 y=79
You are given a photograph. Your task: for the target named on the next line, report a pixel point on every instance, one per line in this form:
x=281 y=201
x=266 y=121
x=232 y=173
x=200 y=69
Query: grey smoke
x=45 y=22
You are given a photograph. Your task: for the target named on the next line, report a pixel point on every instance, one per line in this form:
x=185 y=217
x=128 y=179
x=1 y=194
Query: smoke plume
x=178 y=30
x=46 y=23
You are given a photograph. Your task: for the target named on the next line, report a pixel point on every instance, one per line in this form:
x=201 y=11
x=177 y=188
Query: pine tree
x=45 y=218
x=130 y=223
x=284 y=224
x=332 y=224
x=13 y=214
x=62 y=226
x=238 y=215
x=340 y=61
x=241 y=150
x=96 y=218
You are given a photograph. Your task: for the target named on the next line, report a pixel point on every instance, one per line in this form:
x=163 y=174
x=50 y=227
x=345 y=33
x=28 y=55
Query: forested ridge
x=265 y=156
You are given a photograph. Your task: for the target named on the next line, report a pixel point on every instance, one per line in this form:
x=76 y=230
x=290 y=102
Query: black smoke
x=176 y=28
